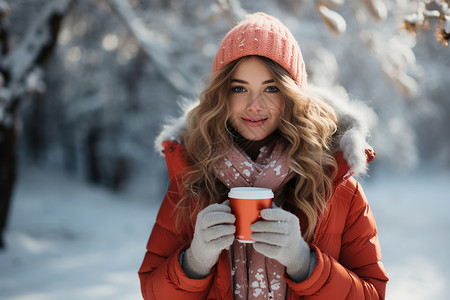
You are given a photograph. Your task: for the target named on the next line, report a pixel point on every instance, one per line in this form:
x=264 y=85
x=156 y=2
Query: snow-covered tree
x=120 y=67
x=21 y=77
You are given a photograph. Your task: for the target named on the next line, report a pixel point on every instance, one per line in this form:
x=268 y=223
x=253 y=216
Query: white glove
x=214 y=231
x=278 y=236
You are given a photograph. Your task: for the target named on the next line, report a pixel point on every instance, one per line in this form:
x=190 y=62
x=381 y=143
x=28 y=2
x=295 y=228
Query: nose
x=256 y=102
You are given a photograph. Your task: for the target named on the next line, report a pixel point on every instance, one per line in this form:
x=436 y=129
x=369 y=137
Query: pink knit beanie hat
x=263 y=35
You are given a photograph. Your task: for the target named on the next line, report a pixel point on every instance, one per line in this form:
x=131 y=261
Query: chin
x=253 y=137
x=254 y=134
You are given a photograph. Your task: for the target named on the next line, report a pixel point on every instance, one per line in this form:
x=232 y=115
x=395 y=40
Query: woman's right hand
x=214 y=231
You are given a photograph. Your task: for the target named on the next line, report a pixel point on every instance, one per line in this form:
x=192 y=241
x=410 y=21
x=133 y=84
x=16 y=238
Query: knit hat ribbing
x=263 y=35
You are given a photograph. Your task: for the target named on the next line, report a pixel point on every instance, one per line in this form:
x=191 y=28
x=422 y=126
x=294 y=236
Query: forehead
x=252 y=69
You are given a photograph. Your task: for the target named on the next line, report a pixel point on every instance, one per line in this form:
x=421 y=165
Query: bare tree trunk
x=15 y=65
x=7 y=172
x=7 y=138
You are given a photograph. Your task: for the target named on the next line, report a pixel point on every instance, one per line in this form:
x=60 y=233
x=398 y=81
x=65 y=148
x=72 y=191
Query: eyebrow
x=245 y=82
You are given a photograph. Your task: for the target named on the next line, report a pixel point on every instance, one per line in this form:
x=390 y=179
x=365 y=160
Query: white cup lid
x=250 y=193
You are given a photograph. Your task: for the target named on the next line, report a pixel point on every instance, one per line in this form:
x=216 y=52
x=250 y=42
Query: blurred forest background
x=86 y=85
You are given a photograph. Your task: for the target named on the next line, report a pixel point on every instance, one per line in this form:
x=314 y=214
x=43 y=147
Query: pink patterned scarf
x=254 y=275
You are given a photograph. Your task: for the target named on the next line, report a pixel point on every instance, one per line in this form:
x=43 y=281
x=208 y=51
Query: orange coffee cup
x=246 y=204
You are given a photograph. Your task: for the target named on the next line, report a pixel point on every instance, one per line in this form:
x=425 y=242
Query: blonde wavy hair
x=307 y=125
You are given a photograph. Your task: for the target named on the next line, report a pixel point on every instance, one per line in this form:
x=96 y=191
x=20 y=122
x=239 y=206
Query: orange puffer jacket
x=345 y=241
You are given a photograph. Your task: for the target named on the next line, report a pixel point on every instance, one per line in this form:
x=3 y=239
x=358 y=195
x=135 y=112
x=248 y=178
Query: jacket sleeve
x=358 y=272
x=161 y=275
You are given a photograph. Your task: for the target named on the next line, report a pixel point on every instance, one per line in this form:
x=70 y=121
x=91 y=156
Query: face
x=255 y=100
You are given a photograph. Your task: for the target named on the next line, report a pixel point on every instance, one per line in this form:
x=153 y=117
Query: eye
x=238 y=89
x=271 y=89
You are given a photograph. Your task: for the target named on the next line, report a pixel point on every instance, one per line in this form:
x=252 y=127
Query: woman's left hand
x=278 y=236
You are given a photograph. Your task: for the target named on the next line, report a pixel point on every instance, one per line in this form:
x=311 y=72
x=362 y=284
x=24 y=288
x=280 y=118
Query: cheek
x=276 y=105
x=236 y=104
x=234 y=110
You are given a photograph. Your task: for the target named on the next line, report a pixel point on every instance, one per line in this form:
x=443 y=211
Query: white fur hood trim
x=355 y=120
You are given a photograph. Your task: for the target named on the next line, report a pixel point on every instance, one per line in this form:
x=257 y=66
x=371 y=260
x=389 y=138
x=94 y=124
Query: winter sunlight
x=86 y=87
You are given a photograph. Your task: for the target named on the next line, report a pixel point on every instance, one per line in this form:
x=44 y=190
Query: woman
x=259 y=124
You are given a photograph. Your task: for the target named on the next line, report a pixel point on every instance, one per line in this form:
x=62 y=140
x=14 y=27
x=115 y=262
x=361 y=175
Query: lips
x=254 y=121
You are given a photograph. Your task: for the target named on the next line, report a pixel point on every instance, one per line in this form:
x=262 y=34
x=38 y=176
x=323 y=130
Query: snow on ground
x=412 y=213
x=68 y=240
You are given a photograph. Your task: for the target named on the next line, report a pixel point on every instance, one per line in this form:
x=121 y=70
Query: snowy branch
x=232 y=8
x=39 y=36
x=425 y=13
x=152 y=46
